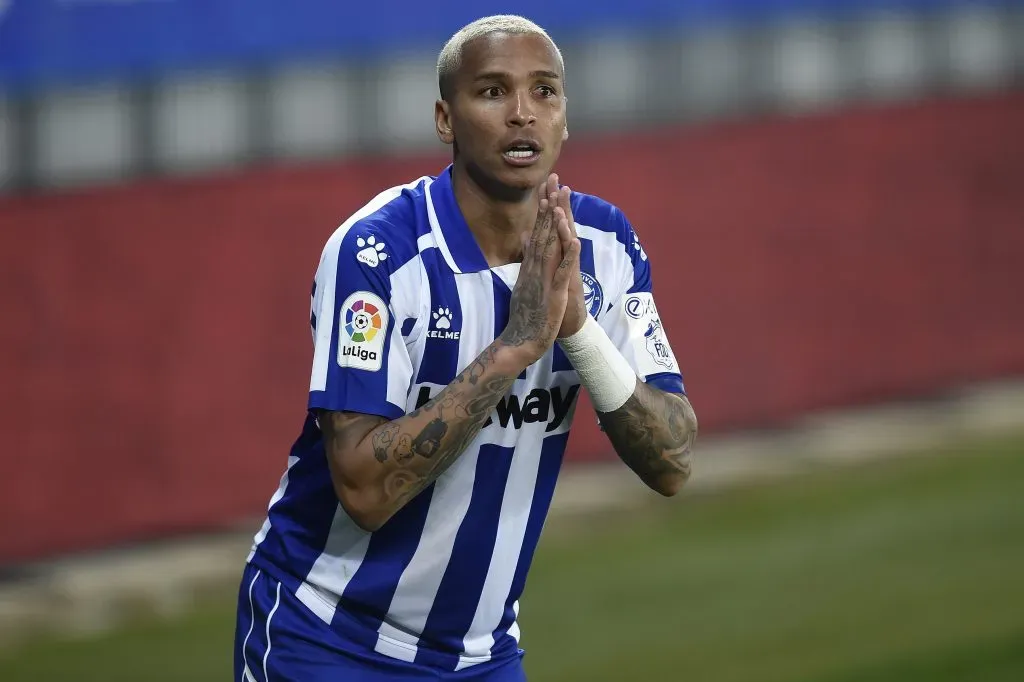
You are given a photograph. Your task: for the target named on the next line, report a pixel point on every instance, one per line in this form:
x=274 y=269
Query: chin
x=525 y=178
x=522 y=178
x=508 y=183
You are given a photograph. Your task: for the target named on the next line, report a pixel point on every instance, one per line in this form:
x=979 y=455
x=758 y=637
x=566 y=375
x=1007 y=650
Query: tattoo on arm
x=653 y=433
x=383 y=440
x=441 y=441
x=428 y=441
x=527 y=316
x=413 y=451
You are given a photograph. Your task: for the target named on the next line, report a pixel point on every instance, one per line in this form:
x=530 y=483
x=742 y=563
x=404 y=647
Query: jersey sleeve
x=634 y=325
x=360 y=360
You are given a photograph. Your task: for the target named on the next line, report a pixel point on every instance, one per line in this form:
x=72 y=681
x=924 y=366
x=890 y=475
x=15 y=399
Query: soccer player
x=454 y=320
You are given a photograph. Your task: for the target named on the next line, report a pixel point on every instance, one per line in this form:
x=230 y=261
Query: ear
x=443 y=122
x=565 y=130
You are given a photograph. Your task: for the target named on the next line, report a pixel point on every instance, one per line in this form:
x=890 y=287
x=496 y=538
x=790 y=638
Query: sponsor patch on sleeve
x=651 y=349
x=362 y=329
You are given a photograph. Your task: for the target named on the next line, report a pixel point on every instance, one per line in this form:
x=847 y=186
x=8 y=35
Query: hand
x=576 y=308
x=541 y=293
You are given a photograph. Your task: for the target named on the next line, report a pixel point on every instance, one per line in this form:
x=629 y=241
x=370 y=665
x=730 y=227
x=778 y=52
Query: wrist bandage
x=603 y=370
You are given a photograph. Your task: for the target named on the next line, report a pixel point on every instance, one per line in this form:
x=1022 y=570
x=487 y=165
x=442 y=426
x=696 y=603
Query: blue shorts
x=278 y=639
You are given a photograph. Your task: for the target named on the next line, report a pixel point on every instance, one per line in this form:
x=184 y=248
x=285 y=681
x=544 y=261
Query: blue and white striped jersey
x=403 y=301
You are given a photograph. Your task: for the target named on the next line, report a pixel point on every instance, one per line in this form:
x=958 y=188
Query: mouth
x=522 y=153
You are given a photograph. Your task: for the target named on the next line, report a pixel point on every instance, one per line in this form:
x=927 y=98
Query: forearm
x=651 y=430
x=397 y=460
x=653 y=433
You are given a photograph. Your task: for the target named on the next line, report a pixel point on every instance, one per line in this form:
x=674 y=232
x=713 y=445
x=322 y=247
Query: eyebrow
x=498 y=75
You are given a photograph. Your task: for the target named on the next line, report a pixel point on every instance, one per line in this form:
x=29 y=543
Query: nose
x=521 y=111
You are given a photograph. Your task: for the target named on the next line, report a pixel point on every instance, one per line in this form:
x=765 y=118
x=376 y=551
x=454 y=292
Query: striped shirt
x=402 y=301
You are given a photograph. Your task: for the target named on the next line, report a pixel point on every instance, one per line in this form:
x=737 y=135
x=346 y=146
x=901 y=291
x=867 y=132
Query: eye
x=491 y=91
x=546 y=91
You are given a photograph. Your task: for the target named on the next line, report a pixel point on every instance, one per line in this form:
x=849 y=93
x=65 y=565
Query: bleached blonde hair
x=450 y=59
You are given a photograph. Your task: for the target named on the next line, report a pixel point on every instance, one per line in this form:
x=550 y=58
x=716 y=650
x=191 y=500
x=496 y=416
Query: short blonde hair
x=450 y=59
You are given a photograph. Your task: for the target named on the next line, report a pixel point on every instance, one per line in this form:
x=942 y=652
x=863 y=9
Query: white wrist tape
x=602 y=368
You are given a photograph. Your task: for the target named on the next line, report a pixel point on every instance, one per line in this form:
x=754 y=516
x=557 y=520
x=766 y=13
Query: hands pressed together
x=547 y=301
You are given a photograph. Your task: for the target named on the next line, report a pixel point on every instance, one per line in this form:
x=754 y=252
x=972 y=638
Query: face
x=506 y=113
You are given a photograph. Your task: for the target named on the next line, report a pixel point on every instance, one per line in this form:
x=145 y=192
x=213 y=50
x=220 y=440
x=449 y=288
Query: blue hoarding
x=43 y=42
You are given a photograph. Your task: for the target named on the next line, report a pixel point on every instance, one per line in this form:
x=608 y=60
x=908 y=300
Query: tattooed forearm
x=411 y=452
x=653 y=433
x=458 y=413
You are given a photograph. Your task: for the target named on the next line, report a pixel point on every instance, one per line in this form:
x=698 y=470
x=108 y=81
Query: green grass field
x=898 y=571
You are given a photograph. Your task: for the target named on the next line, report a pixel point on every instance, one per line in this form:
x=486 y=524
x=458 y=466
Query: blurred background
x=831 y=193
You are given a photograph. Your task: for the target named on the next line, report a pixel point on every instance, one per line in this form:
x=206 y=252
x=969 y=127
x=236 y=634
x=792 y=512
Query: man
x=454 y=320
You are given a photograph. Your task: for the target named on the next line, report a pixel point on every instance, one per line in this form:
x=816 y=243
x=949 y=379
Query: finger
x=550 y=243
x=552 y=250
x=558 y=221
x=544 y=206
x=552 y=187
x=565 y=201
x=542 y=237
x=567 y=268
x=540 y=228
x=563 y=226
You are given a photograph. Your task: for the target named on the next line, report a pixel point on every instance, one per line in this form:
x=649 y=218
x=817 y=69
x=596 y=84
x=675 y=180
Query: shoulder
x=595 y=212
x=603 y=223
x=383 y=234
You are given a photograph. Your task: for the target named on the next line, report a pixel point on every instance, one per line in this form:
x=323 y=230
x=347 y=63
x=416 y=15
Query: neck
x=497 y=223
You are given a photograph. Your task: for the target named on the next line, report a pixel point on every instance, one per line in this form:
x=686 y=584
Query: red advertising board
x=155 y=342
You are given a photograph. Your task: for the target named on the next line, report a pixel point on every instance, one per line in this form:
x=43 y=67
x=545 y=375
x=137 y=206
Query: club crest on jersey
x=364 y=321
x=593 y=296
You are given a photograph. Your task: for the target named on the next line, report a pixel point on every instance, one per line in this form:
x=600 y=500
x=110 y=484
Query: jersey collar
x=449 y=227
